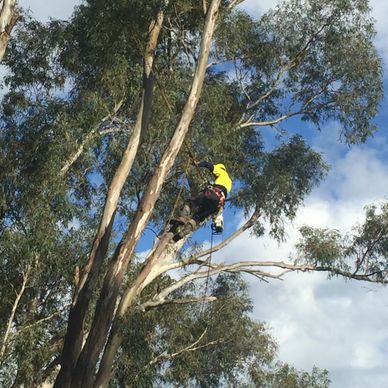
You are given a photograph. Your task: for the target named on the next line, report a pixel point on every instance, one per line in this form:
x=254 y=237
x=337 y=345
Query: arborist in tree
x=209 y=202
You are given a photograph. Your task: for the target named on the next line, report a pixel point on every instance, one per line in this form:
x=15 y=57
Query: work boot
x=185 y=211
x=175 y=223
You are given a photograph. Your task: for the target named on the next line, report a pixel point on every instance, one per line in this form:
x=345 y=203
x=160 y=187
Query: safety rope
x=197 y=168
x=209 y=261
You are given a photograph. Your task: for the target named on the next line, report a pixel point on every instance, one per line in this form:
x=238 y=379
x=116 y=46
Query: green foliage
x=233 y=349
x=362 y=252
x=285 y=376
x=65 y=83
x=286 y=176
x=321 y=246
x=318 y=57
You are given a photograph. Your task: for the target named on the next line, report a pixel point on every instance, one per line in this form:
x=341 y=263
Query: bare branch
x=224 y=243
x=190 y=348
x=301 y=111
x=243 y=265
x=252 y=267
x=156 y=303
x=195 y=258
x=89 y=137
x=19 y=294
x=275 y=83
x=213 y=63
x=204 y=6
x=235 y=3
x=269 y=122
x=39 y=321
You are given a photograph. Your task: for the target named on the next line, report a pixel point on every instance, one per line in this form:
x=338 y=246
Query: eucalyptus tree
x=103 y=118
x=9 y=15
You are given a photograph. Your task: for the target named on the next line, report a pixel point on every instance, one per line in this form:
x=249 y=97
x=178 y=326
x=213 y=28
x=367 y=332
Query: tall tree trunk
x=157 y=263
x=86 y=366
x=8 y=19
x=78 y=312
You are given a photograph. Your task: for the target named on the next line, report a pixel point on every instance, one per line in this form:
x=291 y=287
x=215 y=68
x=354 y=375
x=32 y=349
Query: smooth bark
x=75 y=332
x=8 y=19
x=110 y=290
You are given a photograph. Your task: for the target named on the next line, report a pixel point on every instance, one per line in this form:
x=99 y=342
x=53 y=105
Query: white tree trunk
x=8 y=19
x=114 y=277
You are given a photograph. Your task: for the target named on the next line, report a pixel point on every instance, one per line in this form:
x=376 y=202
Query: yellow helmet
x=221 y=166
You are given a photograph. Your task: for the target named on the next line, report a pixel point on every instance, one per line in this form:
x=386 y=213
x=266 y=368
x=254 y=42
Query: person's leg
x=205 y=204
x=218 y=221
x=209 y=206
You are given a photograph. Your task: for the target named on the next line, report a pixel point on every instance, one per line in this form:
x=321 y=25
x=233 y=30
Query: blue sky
x=338 y=325
x=333 y=324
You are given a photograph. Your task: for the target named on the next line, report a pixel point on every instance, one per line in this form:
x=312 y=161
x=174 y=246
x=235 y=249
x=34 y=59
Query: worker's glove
x=206 y=165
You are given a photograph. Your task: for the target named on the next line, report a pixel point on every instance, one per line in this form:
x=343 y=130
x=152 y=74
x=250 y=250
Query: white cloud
x=363 y=175
x=334 y=324
x=380 y=14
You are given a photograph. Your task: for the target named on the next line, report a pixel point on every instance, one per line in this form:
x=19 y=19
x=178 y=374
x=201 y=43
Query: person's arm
x=208 y=165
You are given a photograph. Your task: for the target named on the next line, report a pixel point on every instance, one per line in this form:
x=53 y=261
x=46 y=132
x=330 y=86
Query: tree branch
x=47 y=318
x=255 y=216
x=189 y=348
x=156 y=303
x=269 y=122
x=251 y=267
x=243 y=265
x=71 y=354
x=89 y=137
x=234 y=3
x=115 y=274
x=13 y=311
x=283 y=70
x=301 y=111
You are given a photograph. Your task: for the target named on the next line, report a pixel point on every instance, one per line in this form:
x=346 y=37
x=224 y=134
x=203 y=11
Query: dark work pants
x=205 y=204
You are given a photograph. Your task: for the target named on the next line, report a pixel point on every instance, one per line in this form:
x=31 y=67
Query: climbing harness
x=220 y=194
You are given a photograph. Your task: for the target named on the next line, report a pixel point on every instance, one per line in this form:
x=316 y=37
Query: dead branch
x=189 y=348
